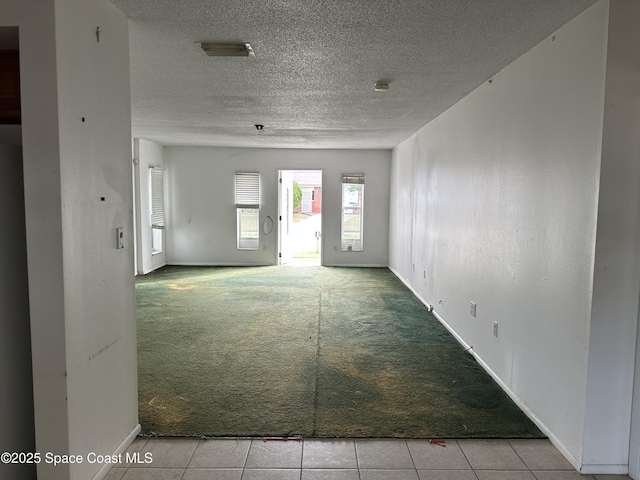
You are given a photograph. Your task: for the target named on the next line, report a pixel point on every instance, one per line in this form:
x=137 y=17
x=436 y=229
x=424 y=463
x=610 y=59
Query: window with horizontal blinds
x=247 y=190
x=352 y=213
x=157 y=197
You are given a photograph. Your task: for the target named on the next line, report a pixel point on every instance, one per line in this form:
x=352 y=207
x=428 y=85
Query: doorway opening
x=300 y=217
x=16 y=377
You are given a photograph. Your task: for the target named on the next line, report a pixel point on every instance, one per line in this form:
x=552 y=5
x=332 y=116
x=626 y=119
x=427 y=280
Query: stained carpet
x=309 y=351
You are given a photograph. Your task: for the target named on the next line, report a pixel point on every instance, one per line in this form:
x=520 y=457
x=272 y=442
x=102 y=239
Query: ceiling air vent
x=227 y=49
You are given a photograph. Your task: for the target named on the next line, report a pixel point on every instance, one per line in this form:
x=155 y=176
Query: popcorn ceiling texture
x=311 y=83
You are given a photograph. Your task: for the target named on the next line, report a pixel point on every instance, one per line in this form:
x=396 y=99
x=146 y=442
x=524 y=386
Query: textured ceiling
x=311 y=82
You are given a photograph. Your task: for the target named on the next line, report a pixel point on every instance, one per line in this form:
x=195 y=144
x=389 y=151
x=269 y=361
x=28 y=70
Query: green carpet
x=309 y=351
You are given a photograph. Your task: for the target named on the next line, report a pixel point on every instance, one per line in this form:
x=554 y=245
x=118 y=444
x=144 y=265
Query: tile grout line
x=246 y=457
x=128 y=467
x=415 y=469
x=301 y=457
x=467 y=459
x=191 y=458
x=355 y=449
x=521 y=459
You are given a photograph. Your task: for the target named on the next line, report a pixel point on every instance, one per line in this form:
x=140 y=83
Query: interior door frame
x=285 y=217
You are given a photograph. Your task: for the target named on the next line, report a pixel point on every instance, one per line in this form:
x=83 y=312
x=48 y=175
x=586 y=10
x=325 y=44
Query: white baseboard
x=358 y=265
x=232 y=264
x=218 y=264
x=102 y=473
x=153 y=269
x=604 y=469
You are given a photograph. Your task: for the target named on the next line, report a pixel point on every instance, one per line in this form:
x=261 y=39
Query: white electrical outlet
x=413 y=266
x=424 y=274
x=472 y=309
x=495 y=329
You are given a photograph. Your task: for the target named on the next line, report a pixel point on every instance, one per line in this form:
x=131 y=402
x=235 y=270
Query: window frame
x=157 y=209
x=356 y=181
x=247 y=201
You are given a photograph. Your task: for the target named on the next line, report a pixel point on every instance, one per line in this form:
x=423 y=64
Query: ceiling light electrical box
x=381 y=86
x=227 y=49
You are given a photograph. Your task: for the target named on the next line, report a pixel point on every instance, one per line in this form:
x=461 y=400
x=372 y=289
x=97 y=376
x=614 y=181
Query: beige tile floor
x=347 y=459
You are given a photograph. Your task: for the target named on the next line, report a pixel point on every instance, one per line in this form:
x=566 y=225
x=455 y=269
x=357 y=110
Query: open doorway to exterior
x=300 y=217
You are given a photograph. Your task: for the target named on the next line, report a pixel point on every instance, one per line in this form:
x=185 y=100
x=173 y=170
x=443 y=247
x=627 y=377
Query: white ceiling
x=311 y=82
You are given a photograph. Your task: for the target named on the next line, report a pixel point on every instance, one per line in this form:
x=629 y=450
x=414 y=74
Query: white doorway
x=300 y=217
x=285 y=216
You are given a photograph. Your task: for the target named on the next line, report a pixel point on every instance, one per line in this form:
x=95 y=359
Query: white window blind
x=356 y=178
x=157 y=197
x=247 y=190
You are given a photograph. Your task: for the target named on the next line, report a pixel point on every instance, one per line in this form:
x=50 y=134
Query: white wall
x=43 y=220
x=495 y=202
x=80 y=286
x=616 y=282
x=16 y=393
x=95 y=162
x=202 y=217
x=146 y=154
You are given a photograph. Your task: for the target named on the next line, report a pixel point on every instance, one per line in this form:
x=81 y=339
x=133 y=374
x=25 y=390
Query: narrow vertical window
x=352 y=212
x=156 y=183
x=247 y=189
